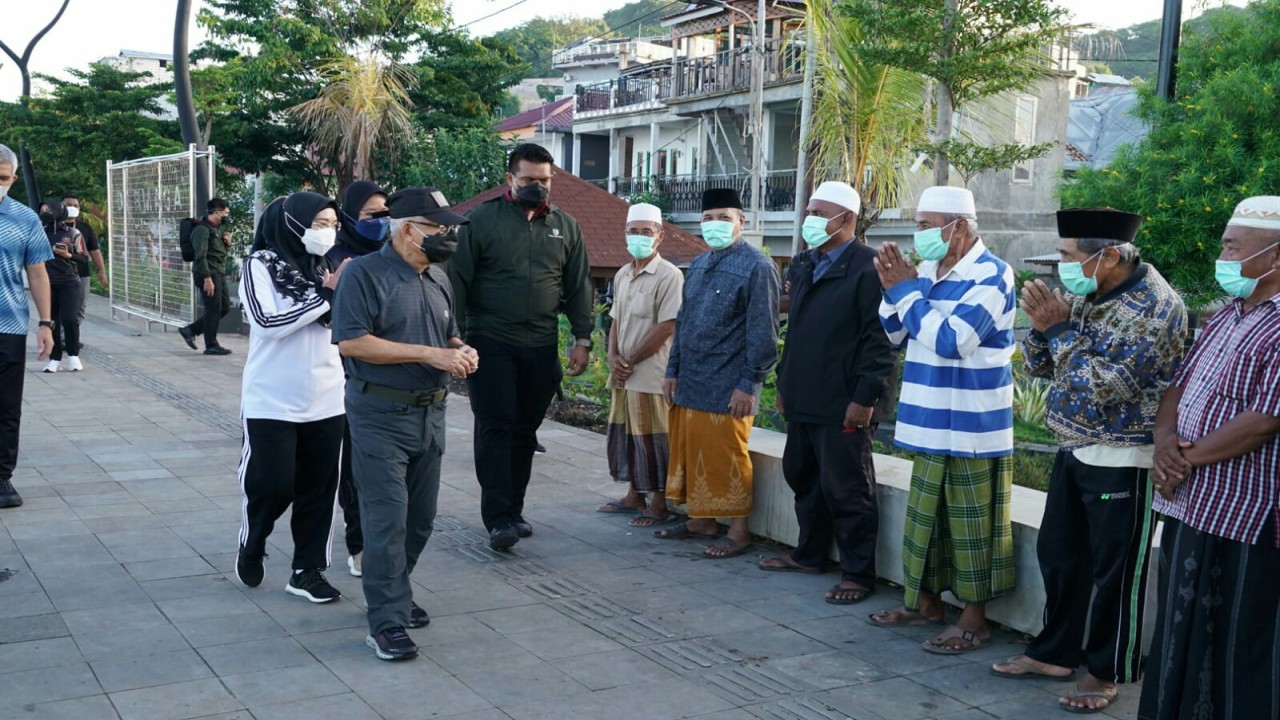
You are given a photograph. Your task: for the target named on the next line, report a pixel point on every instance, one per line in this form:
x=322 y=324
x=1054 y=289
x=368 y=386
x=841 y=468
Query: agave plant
x=1030 y=400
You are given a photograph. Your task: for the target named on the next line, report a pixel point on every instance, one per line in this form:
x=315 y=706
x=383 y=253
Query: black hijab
x=357 y=194
x=280 y=230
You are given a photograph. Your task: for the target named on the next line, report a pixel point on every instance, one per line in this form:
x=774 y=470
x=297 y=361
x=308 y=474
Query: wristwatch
x=584 y=342
x=46 y=324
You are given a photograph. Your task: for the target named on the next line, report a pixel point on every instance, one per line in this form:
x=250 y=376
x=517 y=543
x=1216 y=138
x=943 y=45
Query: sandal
x=613 y=507
x=904 y=618
x=730 y=547
x=1028 y=670
x=1108 y=695
x=682 y=532
x=784 y=563
x=938 y=644
x=856 y=594
x=644 y=519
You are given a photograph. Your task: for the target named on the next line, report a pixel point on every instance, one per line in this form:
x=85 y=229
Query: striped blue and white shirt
x=957 y=380
x=22 y=243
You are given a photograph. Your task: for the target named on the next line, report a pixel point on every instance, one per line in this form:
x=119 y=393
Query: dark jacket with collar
x=836 y=351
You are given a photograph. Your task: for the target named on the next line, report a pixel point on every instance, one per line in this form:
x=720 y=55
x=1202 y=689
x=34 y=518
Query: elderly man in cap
x=646 y=302
x=832 y=388
x=955 y=315
x=726 y=342
x=394 y=325
x=1110 y=348
x=1217 y=472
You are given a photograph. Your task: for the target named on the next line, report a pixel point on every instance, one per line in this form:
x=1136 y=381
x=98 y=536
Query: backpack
x=185 y=226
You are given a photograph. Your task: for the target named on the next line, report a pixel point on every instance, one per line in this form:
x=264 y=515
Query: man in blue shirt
x=23 y=246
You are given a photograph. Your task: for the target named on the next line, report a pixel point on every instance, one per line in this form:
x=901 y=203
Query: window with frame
x=1024 y=133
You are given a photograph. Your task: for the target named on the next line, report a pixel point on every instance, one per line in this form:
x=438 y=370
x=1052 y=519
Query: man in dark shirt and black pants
x=516 y=260
x=208 y=272
x=833 y=389
x=394 y=324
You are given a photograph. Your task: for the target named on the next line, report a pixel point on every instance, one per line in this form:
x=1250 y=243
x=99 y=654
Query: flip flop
x=639 y=520
x=613 y=507
x=918 y=619
x=941 y=648
x=1108 y=695
x=734 y=549
x=1029 y=671
x=860 y=594
x=682 y=532
x=784 y=563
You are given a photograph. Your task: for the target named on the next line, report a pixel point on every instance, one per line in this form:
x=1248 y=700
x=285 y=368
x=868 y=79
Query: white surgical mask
x=4 y=191
x=73 y=212
x=319 y=242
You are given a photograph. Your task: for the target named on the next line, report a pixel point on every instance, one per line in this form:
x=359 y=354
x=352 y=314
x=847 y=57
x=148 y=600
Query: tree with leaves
x=1216 y=144
x=23 y=62
x=642 y=18
x=460 y=162
x=534 y=41
x=970 y=49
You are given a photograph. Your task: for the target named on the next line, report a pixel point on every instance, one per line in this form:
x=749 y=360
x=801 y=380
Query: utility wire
x=486 y=17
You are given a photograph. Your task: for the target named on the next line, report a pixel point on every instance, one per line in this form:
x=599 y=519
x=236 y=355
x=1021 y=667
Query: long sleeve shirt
x=957 y=379
x=211 y=252
x=726 y=335
x=1111 y=363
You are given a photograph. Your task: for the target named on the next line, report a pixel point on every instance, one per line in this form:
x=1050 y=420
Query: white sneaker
x=355 y=566
x=73 y=363
x=53 y=366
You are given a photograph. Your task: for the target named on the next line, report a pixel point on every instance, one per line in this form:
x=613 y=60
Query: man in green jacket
x=516 y=262
x=208 y=271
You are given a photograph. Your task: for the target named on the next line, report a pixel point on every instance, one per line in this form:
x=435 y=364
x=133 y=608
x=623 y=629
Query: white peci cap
x=1262 y=212
x=947 y=200
x=841 y=194
x=644 y=212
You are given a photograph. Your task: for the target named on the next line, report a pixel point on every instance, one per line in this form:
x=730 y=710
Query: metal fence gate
x=146 y=200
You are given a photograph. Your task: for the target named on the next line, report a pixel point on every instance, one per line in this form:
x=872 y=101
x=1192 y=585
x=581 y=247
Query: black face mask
x=439 y=248
x=46 y=218
x=532 y=196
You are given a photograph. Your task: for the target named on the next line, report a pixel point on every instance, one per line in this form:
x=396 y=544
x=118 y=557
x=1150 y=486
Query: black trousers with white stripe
x=283 y=464
x=1096 y=534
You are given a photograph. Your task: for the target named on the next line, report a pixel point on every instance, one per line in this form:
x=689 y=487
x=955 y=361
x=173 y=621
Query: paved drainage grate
x=198 y=409
x=800 y=708
x=632 y=631
x=688 y=655
x=554 y=587
x=752 y=683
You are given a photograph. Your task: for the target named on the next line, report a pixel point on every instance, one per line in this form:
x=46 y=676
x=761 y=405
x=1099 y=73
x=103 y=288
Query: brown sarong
x=637 y=440
x=710 y=466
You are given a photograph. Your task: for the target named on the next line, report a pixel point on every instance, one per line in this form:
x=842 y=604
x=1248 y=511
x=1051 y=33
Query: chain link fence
x=147 y=200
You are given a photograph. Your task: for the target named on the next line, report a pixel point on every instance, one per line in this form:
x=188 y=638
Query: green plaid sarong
x=958 y=535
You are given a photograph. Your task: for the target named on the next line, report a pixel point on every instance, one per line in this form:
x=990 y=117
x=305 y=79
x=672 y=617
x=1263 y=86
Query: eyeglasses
x=322 y=225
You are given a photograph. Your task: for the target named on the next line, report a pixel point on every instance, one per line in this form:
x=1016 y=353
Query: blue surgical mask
x=640 y=246
x=718 y=234
x=1230 y=275
x=814 y=230
x=1073 y=278
x=374 y=229
x=929 y=243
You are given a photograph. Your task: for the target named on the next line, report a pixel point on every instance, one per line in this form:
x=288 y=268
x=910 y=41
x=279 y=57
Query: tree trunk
x=946 y=104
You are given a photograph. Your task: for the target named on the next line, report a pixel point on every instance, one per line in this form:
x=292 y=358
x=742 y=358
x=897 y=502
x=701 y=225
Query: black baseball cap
x=425 y=202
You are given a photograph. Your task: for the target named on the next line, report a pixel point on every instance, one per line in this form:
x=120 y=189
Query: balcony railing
x=727 y=71
x=683 y=193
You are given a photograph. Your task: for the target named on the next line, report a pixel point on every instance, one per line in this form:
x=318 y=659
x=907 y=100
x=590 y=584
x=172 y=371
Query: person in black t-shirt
x=74 y=220
x=69 y=256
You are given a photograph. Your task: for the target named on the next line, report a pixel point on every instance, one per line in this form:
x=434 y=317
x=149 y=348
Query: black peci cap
x=424 y=202
x=1099 y=223
x=717 y=198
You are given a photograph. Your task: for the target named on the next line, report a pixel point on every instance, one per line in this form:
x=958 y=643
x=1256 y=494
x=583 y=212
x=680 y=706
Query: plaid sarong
x=637 y=440
x=958 y=535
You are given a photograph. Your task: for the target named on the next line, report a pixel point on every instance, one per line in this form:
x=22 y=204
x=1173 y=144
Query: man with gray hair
x=23 y=247
x=1110 y=348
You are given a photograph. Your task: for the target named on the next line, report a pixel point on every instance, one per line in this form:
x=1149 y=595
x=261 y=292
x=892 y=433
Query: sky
x=93 y=29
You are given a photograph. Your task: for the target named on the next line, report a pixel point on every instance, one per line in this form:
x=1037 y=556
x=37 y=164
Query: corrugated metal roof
x=556 y=115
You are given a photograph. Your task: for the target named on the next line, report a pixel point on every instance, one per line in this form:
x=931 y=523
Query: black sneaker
x=538 y=449
x=9 y=497
x=217 y=350
x=504 y=537
x=418 y=618
x=310 y=584
x=392 y=644
x=523 y=529
x=249 y=568
x=188 y=337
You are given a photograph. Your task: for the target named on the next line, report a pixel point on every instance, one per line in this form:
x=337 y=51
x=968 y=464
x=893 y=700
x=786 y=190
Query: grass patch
x=1033 y=433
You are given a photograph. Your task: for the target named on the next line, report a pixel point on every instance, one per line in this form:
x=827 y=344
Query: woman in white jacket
x=291 y=399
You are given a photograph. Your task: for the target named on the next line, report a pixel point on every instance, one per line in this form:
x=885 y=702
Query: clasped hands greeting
x=458 y=362
x=893 y=266
x=1044 y=307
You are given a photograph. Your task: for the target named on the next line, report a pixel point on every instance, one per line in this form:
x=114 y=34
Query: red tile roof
x=557 y=115
x=602 y=217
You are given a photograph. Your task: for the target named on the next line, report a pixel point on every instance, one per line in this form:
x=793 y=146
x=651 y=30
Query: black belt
x=417 y=398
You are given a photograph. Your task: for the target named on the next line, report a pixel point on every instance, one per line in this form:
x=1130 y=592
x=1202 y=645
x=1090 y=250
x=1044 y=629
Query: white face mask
x=73 y=212
x=319 y=242
x=4 y=191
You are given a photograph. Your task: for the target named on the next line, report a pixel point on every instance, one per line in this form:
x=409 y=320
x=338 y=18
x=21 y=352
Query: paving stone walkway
x=119 y=600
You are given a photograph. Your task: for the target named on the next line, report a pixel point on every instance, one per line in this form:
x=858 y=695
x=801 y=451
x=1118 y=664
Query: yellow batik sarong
x=710 y=470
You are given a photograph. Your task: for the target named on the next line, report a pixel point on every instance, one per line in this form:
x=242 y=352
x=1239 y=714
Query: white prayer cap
x=841 y=194
x=1262 y=212
x=644 y=212
x=947 y=200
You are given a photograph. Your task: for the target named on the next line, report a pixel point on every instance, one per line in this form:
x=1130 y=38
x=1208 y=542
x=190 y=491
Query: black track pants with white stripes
x=286 y=463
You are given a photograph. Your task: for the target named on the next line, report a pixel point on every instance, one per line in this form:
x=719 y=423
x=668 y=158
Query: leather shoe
x=523 y=529
x=504 y=537
x=188 y=337
x=9 y=497
x=217 y=350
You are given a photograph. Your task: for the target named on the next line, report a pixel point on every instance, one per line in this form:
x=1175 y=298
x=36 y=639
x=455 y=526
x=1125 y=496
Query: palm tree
x=363 y=108
x=866 y=118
